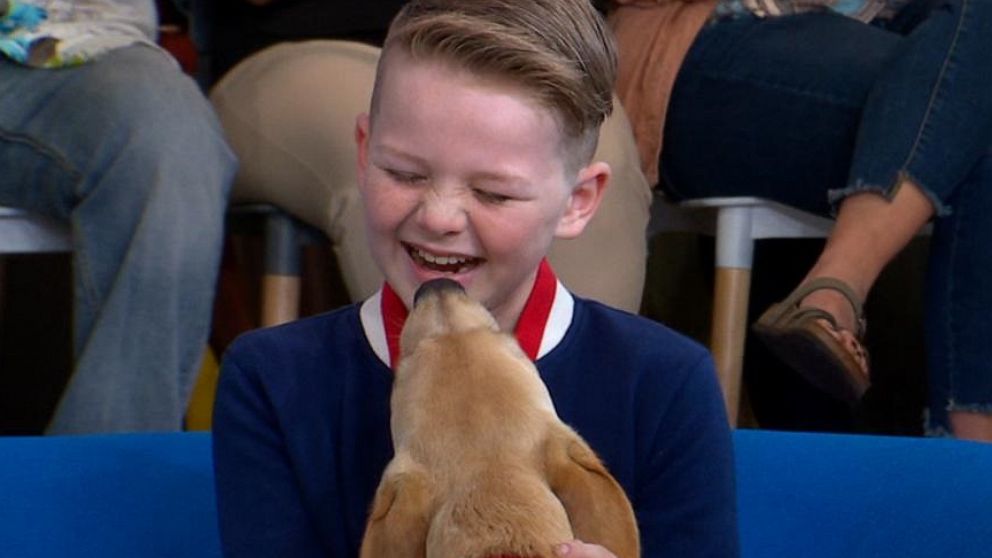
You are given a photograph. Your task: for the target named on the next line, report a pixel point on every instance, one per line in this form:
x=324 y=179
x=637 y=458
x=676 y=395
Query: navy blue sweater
x=301 y=432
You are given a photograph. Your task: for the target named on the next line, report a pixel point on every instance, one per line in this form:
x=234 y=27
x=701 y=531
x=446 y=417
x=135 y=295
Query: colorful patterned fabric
x=58 y=33
x=862 y=10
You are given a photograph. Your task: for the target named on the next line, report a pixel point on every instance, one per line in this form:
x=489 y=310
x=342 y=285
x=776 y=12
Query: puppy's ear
x=397 y=526
x=595 y=503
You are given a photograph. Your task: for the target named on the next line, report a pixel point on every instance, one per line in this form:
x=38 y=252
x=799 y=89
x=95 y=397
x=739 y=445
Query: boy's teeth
x=440 y=260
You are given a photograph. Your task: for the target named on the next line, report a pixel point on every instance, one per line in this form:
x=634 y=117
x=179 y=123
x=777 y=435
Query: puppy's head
x=457 y=367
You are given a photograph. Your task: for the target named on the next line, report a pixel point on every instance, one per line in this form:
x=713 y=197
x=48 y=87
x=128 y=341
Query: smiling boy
x=464 y=176
x=475 y=154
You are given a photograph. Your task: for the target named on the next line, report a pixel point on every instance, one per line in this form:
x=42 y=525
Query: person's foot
x=824 y=348
x=847 y=327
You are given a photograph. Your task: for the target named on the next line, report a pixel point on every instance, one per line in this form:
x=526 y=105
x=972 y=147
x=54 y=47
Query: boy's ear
x=584 y=200
x=362 y=142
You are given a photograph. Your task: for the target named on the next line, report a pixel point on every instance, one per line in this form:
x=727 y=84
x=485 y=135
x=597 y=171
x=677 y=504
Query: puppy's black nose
x=436 y=286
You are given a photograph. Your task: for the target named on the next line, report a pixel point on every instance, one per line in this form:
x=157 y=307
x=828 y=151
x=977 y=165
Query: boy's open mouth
x=441 y=263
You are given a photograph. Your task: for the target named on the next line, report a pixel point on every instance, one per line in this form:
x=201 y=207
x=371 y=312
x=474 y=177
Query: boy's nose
x=442 y=214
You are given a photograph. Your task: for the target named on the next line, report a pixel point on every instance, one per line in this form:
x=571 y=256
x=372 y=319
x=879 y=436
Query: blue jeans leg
x=764 y=108
x=929 y=114
x=811 y=108
x=959 y=304
x=128 y=151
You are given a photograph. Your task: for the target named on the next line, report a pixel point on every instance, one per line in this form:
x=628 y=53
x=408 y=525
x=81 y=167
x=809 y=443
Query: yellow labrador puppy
x=483 y=465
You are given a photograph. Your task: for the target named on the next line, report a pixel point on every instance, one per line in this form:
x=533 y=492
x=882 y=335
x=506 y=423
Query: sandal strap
x=802 y=313
x=831 y=283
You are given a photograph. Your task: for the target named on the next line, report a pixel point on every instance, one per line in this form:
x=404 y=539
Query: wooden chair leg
x=280 y=299
x=281 y=279
x=729 y=328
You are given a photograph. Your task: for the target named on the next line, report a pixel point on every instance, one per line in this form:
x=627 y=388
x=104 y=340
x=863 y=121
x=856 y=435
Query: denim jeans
x=127 y=151
x=808 y=109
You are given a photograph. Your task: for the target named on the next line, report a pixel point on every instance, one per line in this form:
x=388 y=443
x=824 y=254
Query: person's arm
x=686 y=499
x=260 y=508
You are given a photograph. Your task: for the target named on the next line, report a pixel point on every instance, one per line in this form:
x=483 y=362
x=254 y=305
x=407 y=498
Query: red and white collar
x=542 y=324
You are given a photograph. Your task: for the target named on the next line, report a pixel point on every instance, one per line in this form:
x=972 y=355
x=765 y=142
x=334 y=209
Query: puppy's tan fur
x=483 y=465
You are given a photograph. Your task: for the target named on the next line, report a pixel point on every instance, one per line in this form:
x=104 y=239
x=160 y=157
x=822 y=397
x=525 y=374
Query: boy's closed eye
x=491 y=197
x=485 y=195
x=404 y=177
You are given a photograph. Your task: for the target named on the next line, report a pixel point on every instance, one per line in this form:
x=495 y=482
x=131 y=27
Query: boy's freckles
x=463 y=178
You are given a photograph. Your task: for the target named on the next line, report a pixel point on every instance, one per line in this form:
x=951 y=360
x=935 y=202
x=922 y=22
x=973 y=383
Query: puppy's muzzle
x=437 y=287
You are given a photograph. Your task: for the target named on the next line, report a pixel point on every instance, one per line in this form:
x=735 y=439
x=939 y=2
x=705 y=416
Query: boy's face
x=465 y=179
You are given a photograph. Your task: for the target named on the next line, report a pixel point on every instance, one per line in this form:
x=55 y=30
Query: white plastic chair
x=23 y=232
x=735 y=222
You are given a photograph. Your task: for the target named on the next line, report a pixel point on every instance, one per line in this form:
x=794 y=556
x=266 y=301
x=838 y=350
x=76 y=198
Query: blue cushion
x=147 y=495
x=822 y=495
x=800 y=495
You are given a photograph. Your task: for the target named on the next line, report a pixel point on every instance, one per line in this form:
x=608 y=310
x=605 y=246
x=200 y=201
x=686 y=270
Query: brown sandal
x=810 y=342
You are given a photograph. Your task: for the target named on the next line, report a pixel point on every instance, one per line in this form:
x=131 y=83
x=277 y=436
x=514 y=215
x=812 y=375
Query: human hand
x=579 y=549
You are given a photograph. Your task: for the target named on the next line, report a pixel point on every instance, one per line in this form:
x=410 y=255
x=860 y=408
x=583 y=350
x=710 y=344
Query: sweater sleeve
x=686 y=495
x=260 y=506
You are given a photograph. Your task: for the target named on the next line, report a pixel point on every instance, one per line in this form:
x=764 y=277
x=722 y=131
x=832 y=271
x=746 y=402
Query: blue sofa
x=800 y=495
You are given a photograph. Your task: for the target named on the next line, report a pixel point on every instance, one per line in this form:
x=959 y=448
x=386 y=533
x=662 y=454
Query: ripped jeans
x=810 y=108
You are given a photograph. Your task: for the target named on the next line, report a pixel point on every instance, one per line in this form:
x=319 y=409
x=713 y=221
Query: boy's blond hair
x=559 y=52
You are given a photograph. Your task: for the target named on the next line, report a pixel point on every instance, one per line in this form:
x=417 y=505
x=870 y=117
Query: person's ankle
x=974 y=426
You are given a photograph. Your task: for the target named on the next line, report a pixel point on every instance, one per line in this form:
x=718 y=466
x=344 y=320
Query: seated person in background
x=239 y=28
x=481 y=154
x=99 y=128
x=288 y=112
x=877 y=110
